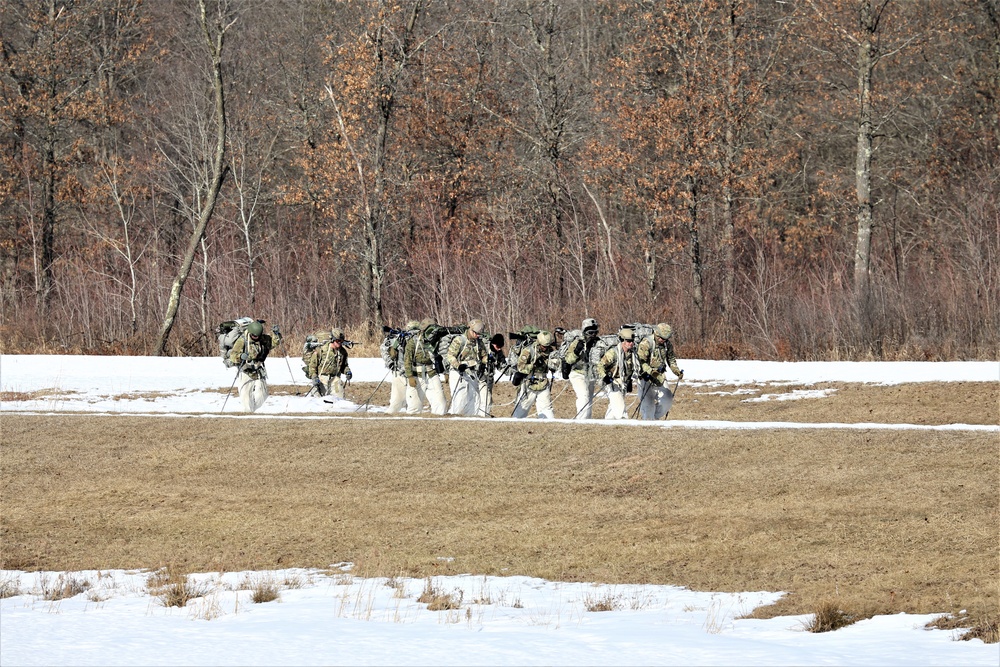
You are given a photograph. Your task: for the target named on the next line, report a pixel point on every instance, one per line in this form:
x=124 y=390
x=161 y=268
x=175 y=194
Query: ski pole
x=638 y=406
x=461 y=378
x=593 y=395
x=238 y=369
x=365 y=404
x=521 y=391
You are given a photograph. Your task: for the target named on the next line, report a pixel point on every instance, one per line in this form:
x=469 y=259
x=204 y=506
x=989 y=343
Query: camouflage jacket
x=654 y=359
x=256 y=351
x=418 y=357
x=617 y=363
x=464 y=350
x=534 y=363
x=578 y=354
x=327 y=360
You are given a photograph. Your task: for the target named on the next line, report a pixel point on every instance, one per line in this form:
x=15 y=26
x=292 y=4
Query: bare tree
x=367 y=83
x=207 y=192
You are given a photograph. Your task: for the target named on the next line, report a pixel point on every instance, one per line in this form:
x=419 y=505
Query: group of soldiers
x=473 y=361
x=421 y=356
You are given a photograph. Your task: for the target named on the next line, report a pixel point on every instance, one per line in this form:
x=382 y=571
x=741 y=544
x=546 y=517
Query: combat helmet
x=545 y=338
x=255 y=328
x=663 y=331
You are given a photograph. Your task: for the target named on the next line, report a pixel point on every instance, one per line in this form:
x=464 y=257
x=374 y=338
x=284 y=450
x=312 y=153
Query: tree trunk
x=218 y=175
x=728 y=176
x=48 y=255
x=697 y=292
x=867 y=59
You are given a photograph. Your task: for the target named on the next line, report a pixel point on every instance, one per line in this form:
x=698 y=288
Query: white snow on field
x=334 y=618
x=197 y=385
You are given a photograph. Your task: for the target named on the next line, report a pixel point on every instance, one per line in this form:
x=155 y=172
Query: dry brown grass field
x=870 y=520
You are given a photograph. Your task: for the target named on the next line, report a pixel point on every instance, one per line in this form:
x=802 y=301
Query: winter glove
x=656 y=378
x=412 y=382
x=628 y=386
x=644 y=376
x=462 y=368
x=517 y=378
x=565 y=370
x=680 y=376
x=275 y=330
x=348 y=374
x=607 y=379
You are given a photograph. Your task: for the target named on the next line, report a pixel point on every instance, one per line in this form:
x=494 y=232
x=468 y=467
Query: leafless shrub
x=65 y=586
x=606 y=602
x=265 y=590
x=437 y=600
x=174 y=589
x=830 y=617
x=9 y=587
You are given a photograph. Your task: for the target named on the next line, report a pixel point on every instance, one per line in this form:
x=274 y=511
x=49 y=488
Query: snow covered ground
x=334 y=618
x=190 y=385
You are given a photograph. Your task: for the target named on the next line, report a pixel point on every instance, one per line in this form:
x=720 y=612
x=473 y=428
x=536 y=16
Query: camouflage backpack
x=602 y=345
x=392 y=346
x=558 y=358
x=228 y=332
x=444 y=342
x=641 y=330
x=313 y=342
x=519 y=340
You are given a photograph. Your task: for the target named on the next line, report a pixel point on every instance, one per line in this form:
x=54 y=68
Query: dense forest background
x=789 y=179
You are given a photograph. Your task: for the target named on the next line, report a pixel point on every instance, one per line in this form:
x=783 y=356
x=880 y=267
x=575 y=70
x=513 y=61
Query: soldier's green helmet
x=336 y=334
x=626 y=334
x=589 y=326
x=545 y=338
x=663 y=331
x=255 y=328
x=413 y=325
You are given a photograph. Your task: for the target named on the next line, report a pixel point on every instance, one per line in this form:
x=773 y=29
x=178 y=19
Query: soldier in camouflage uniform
x=532 y=378
x=422 y=379
x=467 y=358
x=249 y=352
x=397 y=392
x=656 y=354
x=581 y=375
x=328 y=363
x=616 y=368
x=494 y=358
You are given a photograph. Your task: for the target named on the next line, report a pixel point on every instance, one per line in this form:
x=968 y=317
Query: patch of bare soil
x=897 y=520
